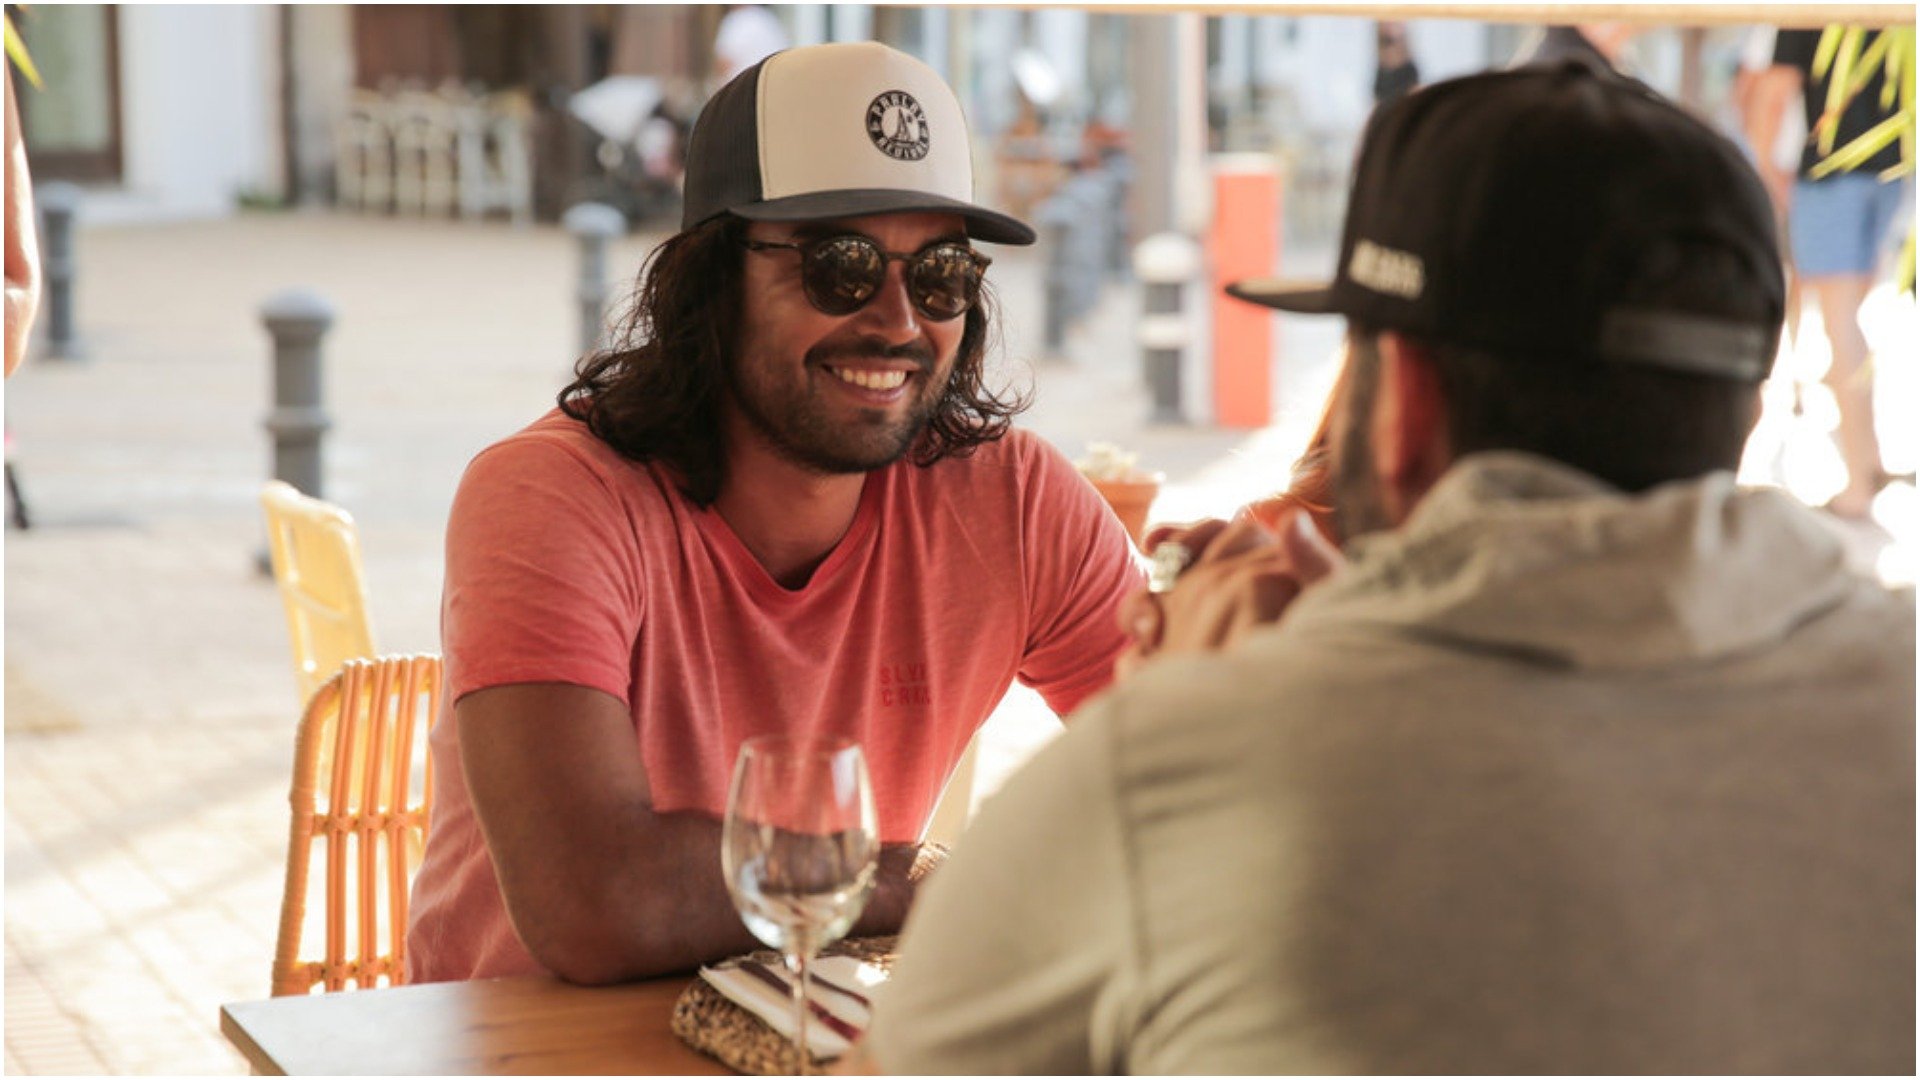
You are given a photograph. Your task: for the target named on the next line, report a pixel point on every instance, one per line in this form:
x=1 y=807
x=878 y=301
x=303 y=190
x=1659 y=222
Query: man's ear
x=1410 y=444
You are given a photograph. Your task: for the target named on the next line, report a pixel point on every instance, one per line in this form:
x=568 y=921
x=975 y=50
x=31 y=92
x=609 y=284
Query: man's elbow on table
x=575 y=957
x=593 y=942
x=573 y=945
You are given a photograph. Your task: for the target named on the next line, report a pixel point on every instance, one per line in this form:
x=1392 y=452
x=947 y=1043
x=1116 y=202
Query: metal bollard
x=1164 y=263
x=1056 y=229
x=297 y=319
x=1120 y=168
x=59 y=202
x=593 y=224
x=1074 y=222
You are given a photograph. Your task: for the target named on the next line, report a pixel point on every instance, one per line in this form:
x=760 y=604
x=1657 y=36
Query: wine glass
x=800 y=849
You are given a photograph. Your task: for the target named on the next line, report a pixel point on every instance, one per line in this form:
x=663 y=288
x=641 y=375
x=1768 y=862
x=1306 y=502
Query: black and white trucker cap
x=837 y=130
x=1528 y=210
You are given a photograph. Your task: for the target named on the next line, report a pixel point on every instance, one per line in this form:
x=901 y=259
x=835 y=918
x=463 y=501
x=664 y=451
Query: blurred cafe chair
x=425 y=128
x=362 y=785
x=316 y=562
x=363 y=153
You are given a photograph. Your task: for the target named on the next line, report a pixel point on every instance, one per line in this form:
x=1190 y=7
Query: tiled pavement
x=149 y=701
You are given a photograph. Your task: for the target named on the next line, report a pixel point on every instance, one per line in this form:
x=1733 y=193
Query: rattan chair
x=362 y=784
x=316 y=561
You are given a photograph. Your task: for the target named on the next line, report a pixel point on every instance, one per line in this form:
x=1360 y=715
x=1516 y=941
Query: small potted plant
x=1127 y=488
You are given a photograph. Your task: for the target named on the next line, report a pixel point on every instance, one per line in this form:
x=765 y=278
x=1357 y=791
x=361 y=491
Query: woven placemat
x=711 y=1023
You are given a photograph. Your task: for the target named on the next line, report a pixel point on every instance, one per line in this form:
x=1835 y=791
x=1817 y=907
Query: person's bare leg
x=1795 y=301
x=1851 y=381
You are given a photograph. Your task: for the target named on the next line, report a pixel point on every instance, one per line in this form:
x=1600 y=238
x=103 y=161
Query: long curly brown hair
x=655 y=394
x=1310 y=489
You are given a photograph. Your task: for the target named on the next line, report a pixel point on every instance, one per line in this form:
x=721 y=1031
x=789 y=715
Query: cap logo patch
x=1387 y=270
x=898 y=127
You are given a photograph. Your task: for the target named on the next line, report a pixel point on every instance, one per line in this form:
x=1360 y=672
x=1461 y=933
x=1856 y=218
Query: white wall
x=323 y=64
x=1446 y=48
x=200 y=116
x=1060 y=35
x=995 y=40
x=1329 y=60
x=850 y=22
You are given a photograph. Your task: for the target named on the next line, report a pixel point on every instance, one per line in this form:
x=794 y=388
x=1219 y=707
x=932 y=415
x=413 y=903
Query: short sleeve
x=1081 y=565
x=543 y=574
x=1019 y=954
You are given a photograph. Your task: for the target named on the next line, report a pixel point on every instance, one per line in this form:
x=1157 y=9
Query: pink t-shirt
x=569 y=563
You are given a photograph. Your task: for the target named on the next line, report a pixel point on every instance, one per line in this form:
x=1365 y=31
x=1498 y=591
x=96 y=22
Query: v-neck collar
x=735 y=553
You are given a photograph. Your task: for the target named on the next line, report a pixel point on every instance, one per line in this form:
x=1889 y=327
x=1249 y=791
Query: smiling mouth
x=868 y=379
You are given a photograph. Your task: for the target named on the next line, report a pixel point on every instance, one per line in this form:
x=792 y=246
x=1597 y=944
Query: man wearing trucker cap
x=1586 y=760
x=788 y=501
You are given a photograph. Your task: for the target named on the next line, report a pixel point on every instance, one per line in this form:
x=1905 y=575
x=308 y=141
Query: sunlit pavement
x=149 y=699
x=1793 y=447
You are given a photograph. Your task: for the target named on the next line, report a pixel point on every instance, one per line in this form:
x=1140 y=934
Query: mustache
x=920 y=352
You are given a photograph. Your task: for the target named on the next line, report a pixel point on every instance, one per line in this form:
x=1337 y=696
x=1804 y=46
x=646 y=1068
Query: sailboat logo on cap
x=897 y=126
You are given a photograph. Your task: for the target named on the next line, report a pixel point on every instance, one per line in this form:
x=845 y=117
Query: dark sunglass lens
x=843 y=273
x=946 y=281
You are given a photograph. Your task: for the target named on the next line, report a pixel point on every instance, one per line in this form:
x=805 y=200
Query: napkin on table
x=774 y=1005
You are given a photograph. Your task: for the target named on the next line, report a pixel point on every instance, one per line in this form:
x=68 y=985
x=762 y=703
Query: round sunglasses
x=840 y=274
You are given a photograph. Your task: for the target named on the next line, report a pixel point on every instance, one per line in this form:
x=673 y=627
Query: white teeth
x=872 y=380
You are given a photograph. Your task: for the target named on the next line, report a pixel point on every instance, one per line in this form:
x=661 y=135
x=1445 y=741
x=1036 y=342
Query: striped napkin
x=838 y=1010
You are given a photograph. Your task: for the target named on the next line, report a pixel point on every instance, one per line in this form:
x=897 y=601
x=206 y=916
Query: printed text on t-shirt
x=904 y=684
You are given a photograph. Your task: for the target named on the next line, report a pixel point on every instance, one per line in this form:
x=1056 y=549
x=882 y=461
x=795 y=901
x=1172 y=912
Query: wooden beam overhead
x=1656 y=14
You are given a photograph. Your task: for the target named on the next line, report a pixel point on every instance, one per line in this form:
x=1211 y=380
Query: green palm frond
x=17 y=54
x=1842 y=57
x=1855 y=154
x=1850 y=60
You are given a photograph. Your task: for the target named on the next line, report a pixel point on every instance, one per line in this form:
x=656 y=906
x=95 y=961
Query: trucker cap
x=836 y=131
x=1556 y=211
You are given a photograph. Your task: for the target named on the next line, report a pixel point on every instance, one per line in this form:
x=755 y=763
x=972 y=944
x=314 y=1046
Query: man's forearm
x=641 y=898
x=665 y=907
x=600 y=887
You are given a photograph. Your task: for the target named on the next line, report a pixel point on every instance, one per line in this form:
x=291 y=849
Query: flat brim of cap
x=1305 y=297
x=982 y=224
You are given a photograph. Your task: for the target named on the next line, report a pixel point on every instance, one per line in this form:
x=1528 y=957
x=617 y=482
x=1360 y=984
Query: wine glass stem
x=802 y=1055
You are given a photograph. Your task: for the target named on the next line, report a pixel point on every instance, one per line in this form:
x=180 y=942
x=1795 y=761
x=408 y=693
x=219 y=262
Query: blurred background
x=451 y=200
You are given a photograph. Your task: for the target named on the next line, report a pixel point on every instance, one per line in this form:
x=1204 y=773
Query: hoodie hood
x=1519 y=554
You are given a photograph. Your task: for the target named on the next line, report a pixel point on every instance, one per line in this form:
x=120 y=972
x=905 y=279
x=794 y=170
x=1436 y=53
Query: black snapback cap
x=1527 y=211
x=836 y=130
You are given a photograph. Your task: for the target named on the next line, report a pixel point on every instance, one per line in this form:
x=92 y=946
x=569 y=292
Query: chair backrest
x=316 y=561
x=362 y=785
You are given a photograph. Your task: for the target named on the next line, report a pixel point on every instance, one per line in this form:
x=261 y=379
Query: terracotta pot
x=1130 y=500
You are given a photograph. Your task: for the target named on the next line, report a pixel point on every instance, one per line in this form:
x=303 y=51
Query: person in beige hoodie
x=1578 y=758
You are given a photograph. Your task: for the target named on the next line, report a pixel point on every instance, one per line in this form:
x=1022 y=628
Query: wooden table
x=532 y=1024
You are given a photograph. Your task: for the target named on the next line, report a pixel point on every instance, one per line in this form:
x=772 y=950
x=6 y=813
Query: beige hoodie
x=1550 y=780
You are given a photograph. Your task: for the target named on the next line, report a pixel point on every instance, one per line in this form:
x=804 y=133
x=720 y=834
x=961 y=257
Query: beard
x=1358 y=507
x=787 y=410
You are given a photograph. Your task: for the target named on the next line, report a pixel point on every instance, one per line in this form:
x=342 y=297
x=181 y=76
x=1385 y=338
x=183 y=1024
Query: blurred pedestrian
x=1840 y=224
x=1782 y=154
x=1394 y=69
